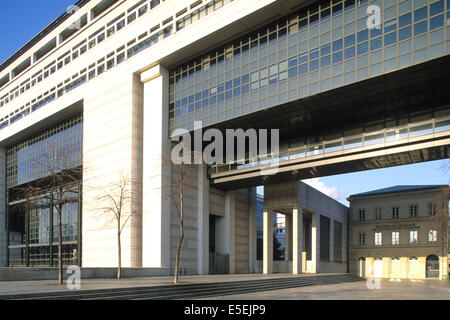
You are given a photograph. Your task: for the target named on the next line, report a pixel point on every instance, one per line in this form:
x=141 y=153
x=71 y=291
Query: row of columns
x=294 y=241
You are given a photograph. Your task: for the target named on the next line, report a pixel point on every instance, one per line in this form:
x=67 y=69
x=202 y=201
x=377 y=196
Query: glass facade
x=323 y=46
x=32 y=218
x=29 y=160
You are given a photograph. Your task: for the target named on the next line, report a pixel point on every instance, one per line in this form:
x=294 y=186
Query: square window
x=303 y=58
x=363 y=48
x=405 y=60
x=436 y=36
x=404 y=33
x=303 y=69
x=405 y=6
x=363 y=35
x=420 y=27
x=375 y=33
x=325 y=61
x=292 y=62
x=326 y=49
x=337 y=45
x=390 y=26
x=375 y=43
x=337 y=56
x=436 y=22
x=314 y=65
x=349 y=53
x=404 y=20
x=437 y=50
x=349 y=40
x=390 y=38
x=420 y=14
x=437 y=7
x=314 y=54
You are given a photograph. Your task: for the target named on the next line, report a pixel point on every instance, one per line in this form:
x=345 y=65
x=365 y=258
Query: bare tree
x=117 y=199
x=180 y=174
x=27 y=193
x=179 y=177
x=62 y=176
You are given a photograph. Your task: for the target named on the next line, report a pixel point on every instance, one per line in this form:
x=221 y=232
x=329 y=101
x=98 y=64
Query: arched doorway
x=378 y=267
x=413 y=269
x=395 y=267
x=362 y=267
x=432 y=266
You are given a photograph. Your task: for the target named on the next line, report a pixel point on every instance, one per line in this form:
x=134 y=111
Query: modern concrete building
x=100 y=91
x=400 y=232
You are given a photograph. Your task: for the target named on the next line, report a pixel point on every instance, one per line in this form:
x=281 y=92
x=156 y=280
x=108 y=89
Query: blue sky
x=20 y=21
x=342 y=186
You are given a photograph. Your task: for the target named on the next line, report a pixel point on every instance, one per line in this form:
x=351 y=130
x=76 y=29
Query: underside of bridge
x=401 y=97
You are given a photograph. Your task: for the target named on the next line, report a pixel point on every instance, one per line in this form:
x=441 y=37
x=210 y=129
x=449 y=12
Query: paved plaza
x=309 y=287
x=388 y=290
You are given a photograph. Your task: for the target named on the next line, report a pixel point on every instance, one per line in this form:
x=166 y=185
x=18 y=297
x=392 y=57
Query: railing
x=369 y=139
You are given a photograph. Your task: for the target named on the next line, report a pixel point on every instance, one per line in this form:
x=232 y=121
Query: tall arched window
x=413 y=269
x=378 y=267
x=395 y=266
x=432 y=266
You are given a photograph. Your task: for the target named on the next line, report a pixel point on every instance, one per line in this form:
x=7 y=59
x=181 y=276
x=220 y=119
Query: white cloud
x=332 y=192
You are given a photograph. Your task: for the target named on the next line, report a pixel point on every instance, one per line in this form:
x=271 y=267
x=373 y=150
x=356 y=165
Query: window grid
x=306 y=46
x=23 y=158
x=120 y=57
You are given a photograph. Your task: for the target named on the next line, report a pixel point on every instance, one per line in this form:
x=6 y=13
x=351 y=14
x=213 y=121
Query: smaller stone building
x=400 y=232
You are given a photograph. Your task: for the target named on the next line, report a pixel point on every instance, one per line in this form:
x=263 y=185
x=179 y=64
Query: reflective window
x=257 y=60
x=420 y=28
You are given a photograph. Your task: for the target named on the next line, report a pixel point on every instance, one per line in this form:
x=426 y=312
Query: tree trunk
x=119 y=268
x=177 y=261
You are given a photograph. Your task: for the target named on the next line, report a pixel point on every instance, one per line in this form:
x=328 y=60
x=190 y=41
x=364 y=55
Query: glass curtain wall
x=321 y=47
x=32 y=202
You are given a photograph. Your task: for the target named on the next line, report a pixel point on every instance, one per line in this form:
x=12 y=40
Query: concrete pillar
x=443 y=267
x=252 y=230
x=225 y=230
x=203 y=222
x=288 y=240
x=297 y=240
x=3 y=231
x=267 y=241
x=156 y=170
x=331 y=239
x=315 y=243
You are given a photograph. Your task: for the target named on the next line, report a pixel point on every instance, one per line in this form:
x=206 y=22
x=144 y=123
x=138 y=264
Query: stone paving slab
x=389 y=290
x=46 y=286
